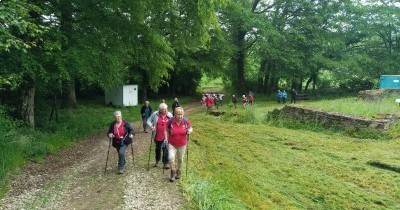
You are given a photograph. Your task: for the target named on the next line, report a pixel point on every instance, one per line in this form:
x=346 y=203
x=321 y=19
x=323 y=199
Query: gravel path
x=74 y=179
x=82 y=185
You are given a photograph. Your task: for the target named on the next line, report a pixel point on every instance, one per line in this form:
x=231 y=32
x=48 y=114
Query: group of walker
x=210 y=100
x=246 y=101
x=169 y=131
x=282 y=96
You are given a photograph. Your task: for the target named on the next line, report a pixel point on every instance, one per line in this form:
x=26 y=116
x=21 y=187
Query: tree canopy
x=166 y=46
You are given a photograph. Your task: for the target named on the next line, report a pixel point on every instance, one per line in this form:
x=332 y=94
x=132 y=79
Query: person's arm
x=129 y=129
x=110 y=132
x=151 y=120
x=190 y=129
x=142 y=110
x=166 y=132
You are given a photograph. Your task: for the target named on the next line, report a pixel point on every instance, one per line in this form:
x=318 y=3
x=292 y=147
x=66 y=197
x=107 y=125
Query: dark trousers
x=159 y=149
x=293 y=99
x=121 y=156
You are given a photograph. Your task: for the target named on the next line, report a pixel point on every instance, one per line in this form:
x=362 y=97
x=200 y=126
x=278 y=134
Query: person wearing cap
x=121 y=133
x=145 y=112
x=177 y=131
x=158 y=122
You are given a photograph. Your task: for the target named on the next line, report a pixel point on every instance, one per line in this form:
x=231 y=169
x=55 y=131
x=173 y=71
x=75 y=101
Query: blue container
x=389 y=82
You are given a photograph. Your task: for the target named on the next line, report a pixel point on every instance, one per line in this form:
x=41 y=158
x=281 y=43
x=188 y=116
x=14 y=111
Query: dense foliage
x=51 y=48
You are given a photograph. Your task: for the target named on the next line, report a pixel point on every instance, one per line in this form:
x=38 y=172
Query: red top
x=244 y=100
x=162 y=123
x=119 y=131
x=251 y=98
x=177 y=133
x=209 y=102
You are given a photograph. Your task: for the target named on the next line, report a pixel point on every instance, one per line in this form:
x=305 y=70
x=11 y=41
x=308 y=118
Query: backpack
x=170 y=123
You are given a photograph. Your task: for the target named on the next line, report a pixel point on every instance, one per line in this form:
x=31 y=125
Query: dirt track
x=74 y=179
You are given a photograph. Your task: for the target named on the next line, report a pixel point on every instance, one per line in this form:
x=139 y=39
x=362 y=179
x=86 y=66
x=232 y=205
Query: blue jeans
x=121 y=156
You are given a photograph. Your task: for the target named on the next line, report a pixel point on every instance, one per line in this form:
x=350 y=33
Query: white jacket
x=152 y=121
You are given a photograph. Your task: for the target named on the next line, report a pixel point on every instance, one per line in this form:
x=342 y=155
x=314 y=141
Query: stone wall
x=377 y=94
x=332 y=119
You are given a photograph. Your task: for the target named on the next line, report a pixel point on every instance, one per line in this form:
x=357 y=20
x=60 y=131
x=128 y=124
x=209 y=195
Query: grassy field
x=256 y=166
x=356 y=107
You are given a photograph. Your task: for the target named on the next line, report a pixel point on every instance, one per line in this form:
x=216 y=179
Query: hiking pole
x=187 y=154
x=163 y=168
x=151 y=143
x=108 y=152
x=133 y=157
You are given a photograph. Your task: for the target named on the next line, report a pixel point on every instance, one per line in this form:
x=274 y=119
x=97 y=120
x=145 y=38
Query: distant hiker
x=177 y=131
x=234 y=100
x=244 y=101
x=216 y=100
x=145 y=112
x=279 y=96
x=175 y=104
x=158 y=122
x=293 y=96
x=209 y=102
x=203 y=102
x=251 y=98
x=121 y=133
x=284 y=96
x=163 y=101
x=221 y=98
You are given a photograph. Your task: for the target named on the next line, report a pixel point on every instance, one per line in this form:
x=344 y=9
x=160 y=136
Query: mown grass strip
x=256 y=164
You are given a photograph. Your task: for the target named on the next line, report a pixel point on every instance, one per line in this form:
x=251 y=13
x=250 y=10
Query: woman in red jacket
x=177 y=132
x=121 y=133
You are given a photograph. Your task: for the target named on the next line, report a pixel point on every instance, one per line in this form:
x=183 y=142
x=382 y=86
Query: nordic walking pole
x=151 y=143
x=108 y=152
x=133 y=157
x=187 y=154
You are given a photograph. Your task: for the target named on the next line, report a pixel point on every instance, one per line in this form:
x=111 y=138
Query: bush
x=10 y=154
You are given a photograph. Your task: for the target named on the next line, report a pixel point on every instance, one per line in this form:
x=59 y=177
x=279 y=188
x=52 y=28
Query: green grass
x=19 y=144
x=257 y=166
x=357 y=107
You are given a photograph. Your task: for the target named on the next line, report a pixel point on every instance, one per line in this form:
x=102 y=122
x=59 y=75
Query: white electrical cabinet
x=126 y=95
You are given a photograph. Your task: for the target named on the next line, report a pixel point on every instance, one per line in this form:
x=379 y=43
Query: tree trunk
x=314 y=82
x=28 y=106
x=300 y=87
x=66 y=27
x=240 y=62
x=240 y=73
x=313 y=79
x=272 y=84
x=144 y=93
x=262 y=76
x=308 y=83
x=72 y=103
